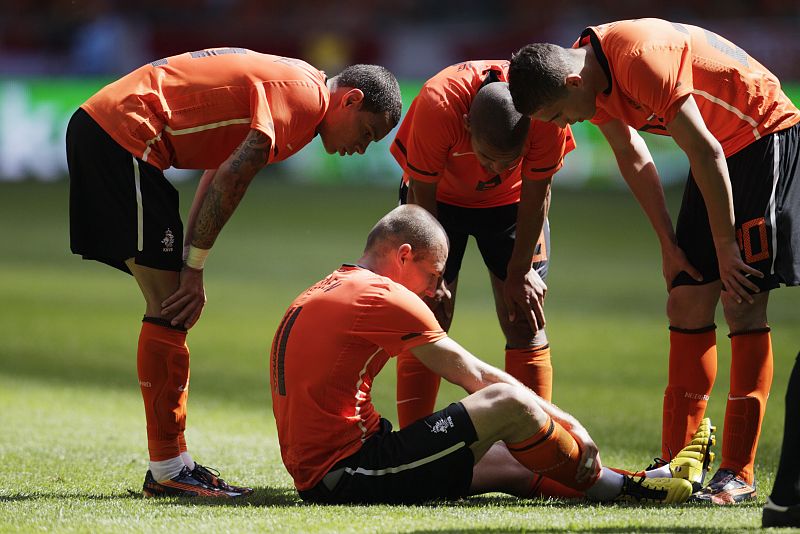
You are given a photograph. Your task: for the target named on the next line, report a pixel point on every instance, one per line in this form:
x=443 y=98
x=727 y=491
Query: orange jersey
x=433 y=146
x=192 y=110
x=652 y=64
x=333 y=340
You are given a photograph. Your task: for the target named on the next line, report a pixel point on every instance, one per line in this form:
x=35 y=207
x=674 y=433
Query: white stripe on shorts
x=406 y=467
x=776 y=169
x=139 y=214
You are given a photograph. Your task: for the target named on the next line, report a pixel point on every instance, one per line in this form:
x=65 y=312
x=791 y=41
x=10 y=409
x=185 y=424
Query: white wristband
x=196 y=258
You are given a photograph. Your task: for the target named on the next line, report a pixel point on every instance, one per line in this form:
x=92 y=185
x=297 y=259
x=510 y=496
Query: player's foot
x=726 y=488
x=183 y=485
x=775 y=515
x=210 y=476
x=655 y=490
x=694 y=460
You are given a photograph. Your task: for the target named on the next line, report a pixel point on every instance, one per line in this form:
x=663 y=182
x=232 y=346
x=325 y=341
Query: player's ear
x=404 y=253
x=574 y=80
x=465 y=120
x=353 y=97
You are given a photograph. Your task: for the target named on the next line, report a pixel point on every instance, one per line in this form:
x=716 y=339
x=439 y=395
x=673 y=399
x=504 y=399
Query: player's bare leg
x=512 y=414
x=527 y=352
x=750 y=381
x=163 y=369
x=692 y=363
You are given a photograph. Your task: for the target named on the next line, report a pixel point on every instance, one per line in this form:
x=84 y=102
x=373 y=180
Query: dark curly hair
x=380 y=88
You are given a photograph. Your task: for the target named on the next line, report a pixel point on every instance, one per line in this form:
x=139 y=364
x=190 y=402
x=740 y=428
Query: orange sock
x=532 y=367
x=692 y=370
x=547 y=487
x=163 y=366
x=551 y=452
x=417 y=387
x=182 y=443
x=751 y=378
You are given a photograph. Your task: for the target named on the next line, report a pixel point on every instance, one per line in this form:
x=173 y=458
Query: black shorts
x=428 y=460
x=765 y=179
x=494 y=230
x=120 y=206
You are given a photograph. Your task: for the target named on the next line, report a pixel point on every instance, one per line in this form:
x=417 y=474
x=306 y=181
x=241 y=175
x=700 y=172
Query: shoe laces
x=208 y=469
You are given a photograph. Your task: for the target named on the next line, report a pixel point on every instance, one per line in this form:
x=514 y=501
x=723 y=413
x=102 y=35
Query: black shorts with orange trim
x=428 y=460
x=120 y=206
x=765 y=179
x=494 y=230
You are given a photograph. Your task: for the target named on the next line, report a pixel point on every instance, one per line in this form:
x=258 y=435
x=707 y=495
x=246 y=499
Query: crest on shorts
x=168 y=241
x=442 y=425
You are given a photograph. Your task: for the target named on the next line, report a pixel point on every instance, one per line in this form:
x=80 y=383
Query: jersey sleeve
x=398 y=320
x=262 y=113
x=547 y=146
x=424 y=139
x=659 y=77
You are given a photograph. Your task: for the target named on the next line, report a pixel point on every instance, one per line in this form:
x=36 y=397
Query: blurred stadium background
x=55 y=53
x=69 y=328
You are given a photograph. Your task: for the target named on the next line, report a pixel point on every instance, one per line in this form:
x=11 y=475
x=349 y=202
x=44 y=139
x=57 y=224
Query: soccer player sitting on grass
x=337 y=336
x=230 y=111
x=484 y=170
x=738 y=232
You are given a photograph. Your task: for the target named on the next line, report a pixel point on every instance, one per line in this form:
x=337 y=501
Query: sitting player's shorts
x=120 y=207
x=494 y=230
x=428 y=460
x=765 y=178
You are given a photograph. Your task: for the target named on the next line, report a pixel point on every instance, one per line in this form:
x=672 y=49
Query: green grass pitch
x=72 y=442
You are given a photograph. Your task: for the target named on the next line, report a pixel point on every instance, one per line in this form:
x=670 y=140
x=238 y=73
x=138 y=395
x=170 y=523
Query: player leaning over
x=228 y=110
x=337 y=336
x=738 y=232
x=483 y=170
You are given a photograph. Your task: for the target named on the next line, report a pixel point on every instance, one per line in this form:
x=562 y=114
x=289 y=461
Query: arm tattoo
x=229 y=186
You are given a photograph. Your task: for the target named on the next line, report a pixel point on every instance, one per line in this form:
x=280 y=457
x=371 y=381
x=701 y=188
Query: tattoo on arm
x=229 y=186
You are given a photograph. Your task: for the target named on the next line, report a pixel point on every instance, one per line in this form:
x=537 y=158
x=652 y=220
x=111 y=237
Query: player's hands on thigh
x=524 y=292
x=185 y=305
x=733 y=273
x=673 y=261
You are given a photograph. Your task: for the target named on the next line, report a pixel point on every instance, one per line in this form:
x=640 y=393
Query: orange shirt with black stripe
x=653 y=63
x=192 y=110
x=433 y=146
x=335 y=337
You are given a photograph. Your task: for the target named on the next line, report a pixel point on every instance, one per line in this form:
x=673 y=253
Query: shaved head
x=410 y=224
x=494 y=121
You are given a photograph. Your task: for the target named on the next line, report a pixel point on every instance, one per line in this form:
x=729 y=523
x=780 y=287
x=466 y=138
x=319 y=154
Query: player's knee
x=515 y=406
x=743 y=316
x=519 y=334
x=691 y=307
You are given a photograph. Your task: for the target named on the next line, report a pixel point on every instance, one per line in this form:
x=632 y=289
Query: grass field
x=73 y=449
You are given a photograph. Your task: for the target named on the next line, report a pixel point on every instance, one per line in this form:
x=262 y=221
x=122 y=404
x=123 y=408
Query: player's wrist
x=196 y=257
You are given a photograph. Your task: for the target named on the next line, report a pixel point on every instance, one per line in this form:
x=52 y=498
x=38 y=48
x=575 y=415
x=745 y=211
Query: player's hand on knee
x=733 y=273
x=673 y=262
x=589 y=464
x=184 y=306
x=524 y=292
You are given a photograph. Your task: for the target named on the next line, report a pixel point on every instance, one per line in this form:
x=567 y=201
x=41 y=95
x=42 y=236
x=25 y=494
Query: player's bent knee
x=692 y=307
x=743 y=316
